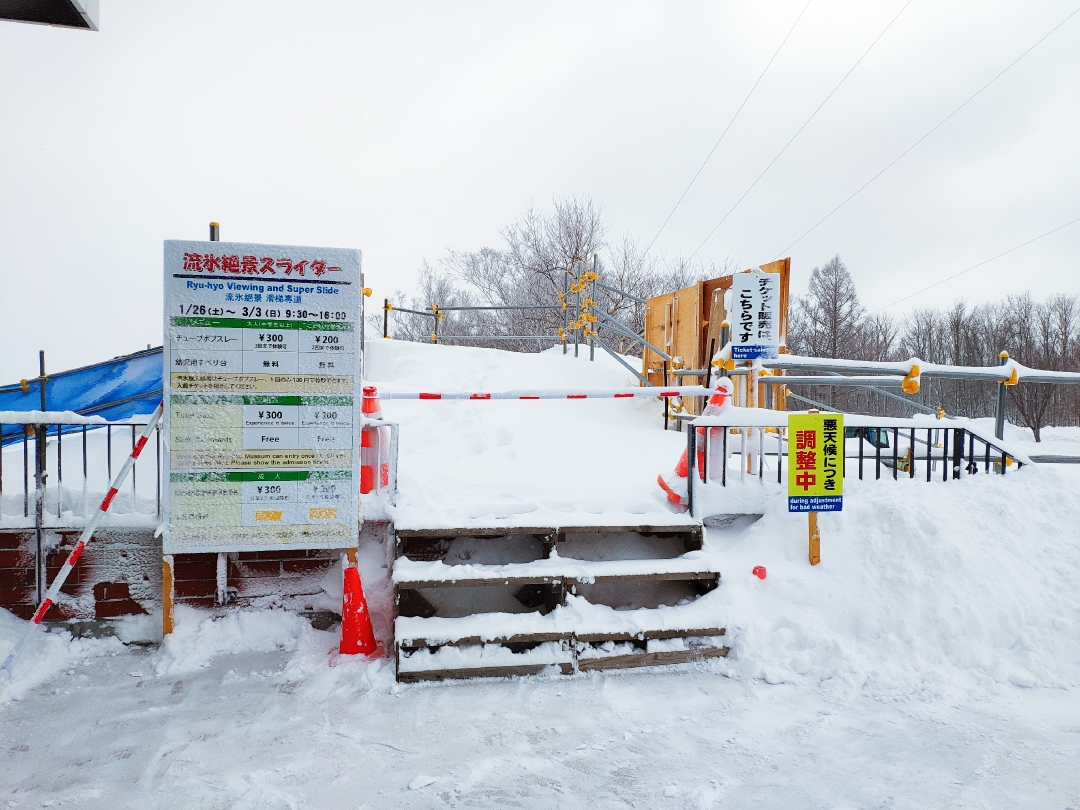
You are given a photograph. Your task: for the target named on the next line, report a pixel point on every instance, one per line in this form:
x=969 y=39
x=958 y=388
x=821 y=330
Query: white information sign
x=755 y=315
x=262 y=397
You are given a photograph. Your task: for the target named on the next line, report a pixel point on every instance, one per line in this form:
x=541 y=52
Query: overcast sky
x=404 y=129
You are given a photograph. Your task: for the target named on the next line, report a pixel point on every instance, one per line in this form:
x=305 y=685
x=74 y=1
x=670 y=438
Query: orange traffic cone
x=357 y=636
x=374 y=446
x=675 y=483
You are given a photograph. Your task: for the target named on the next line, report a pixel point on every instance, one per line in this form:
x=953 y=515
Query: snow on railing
x=1009 y=371
x=58 y=464
x=914 y=447
x=556 y=393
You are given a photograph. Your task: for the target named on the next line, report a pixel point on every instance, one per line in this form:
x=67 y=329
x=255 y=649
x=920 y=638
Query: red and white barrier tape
x=73 y=558
x=561 y=393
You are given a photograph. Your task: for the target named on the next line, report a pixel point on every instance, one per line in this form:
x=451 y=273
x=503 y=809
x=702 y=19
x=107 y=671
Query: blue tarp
x=114 y=390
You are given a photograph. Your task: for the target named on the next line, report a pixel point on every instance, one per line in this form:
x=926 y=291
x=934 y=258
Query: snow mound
x=923 y=587
x=198 y=638
x=47 y=654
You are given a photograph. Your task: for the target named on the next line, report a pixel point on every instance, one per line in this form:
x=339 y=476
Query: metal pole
x=215 y=232
x=435 y=329
x=565 y=310
x=708 y=363
x=666 y=400
x=592 y=299
x=999 y=410
x=385 y=317
x=691 y=468
x=39 y=490
x=725 y=335
x=577 y=286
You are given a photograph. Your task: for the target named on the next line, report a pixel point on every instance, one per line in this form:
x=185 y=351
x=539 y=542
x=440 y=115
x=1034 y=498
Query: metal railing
x=391 y=489
x=578 y=294
x=71 y=453
x=436 y=314
x=70 y=449
x=960 y=450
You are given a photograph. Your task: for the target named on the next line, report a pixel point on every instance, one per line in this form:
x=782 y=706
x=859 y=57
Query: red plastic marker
x=759 y=571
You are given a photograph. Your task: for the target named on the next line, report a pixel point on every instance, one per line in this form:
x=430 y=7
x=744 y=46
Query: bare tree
x=541 y=254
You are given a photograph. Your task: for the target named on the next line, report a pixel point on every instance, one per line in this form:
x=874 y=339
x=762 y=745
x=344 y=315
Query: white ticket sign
x=755 y=315
x=262 y=397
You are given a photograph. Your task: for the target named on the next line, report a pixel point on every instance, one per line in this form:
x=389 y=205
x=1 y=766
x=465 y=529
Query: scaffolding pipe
x=618 y=327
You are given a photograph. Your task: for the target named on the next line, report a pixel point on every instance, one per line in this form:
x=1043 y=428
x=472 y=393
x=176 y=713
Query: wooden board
x=783 y=267
x=651 y=635
x=714 y=314
x=482 y=579
x=480 y=672
x=651 y=659
x=519 y=638
x=498 y=531
x=481 y=531
x=478 y=580
x=659 y=331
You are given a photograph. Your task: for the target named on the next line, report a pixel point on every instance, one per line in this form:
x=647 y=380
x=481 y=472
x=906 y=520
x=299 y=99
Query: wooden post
x=167 y=594
x=351 y=554
x=815 y=537
x=751 y=382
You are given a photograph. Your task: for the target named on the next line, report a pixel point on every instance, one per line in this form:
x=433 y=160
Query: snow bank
x=47 y=654
x=198 y=638
x=922 y=587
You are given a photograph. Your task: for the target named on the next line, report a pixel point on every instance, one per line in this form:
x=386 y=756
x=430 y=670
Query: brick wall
x=257 y=577
x=119 y=574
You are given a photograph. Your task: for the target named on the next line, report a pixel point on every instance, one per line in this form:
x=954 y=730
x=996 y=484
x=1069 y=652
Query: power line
x=974 y=266
x=928 y=134
x=796 y=135
x=732 y=121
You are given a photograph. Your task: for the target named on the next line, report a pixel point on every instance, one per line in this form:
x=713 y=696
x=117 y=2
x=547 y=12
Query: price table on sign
x=262 y=396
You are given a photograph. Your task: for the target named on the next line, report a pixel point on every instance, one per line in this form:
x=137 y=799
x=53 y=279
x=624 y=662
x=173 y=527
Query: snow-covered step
x=507 y=600
x=578 y=636
x=482 y=628
x=483 y=661
x=694 y=565
x=655 y=652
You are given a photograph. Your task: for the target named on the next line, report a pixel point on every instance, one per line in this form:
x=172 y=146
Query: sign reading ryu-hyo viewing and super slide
x=262 y=397
x=815 y=462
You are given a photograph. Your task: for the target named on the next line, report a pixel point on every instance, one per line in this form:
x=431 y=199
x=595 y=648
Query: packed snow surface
x=932 y=659
x=521 y=463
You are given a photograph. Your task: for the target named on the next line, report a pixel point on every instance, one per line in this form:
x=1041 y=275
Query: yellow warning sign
x=815 y=462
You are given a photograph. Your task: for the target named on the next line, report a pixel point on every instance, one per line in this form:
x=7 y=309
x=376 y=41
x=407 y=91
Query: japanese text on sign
x=755 y=315
x=253 y=265
x=815 y=462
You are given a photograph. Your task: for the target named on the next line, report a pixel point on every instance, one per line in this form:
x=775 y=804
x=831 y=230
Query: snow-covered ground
x=532 y=463
x=931 y=660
